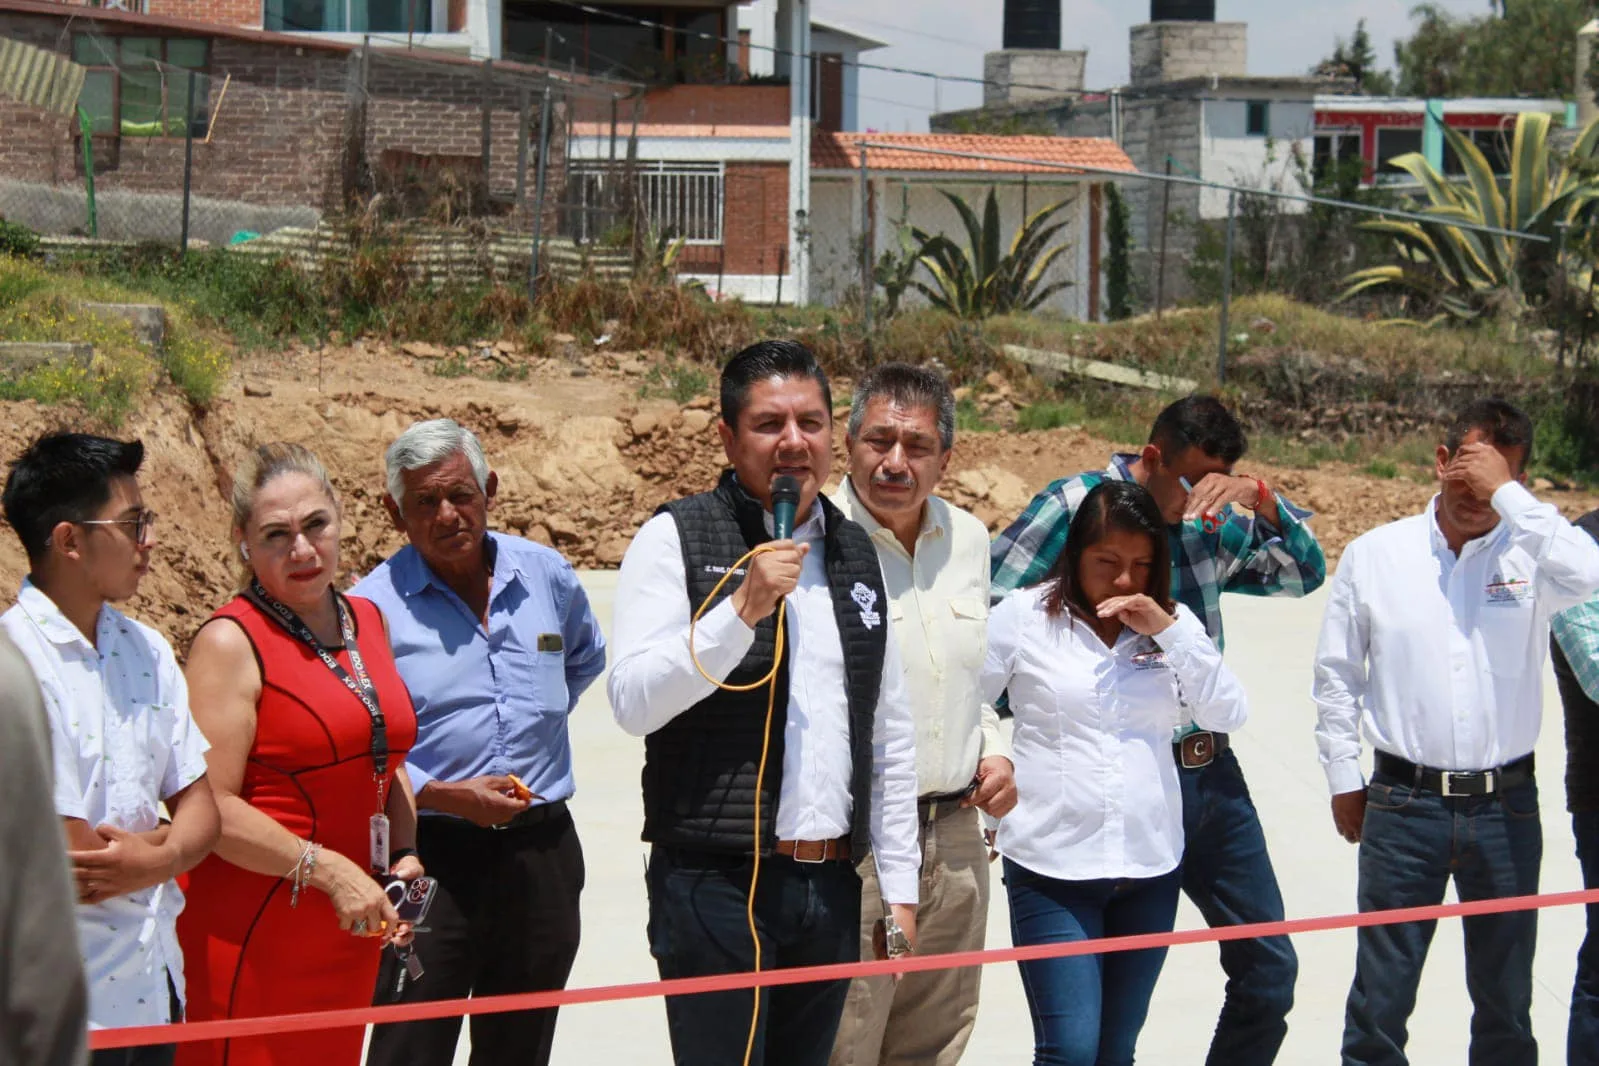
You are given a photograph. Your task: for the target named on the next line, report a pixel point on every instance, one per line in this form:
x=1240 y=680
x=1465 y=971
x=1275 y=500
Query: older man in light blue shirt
x=495 y=639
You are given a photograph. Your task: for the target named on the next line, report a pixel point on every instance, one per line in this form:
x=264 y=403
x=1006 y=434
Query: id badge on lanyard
x=361 y=687
x=378 y=837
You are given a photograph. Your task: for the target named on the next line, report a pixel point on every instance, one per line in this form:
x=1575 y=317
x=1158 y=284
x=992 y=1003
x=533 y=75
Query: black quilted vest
x=1582 y=718
x=700 y=768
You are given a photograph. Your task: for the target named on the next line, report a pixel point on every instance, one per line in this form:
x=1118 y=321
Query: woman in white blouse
x=1102 y=671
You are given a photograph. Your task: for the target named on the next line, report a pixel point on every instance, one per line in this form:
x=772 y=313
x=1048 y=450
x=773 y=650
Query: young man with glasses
x=120 y=730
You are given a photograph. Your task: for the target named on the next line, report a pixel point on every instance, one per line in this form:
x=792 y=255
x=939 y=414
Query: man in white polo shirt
x=120 y=730
x=1433 y=645
x=935 y=568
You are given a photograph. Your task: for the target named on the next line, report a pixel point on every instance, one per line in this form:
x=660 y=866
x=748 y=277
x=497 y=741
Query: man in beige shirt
x=935 y=569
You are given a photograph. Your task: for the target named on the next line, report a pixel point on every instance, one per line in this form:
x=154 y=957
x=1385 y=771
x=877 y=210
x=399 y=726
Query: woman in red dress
x=308 y=742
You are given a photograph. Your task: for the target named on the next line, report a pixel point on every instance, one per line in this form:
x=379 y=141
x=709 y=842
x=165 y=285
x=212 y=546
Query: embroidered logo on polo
x=1501 y=591
x=709 y=569
x=866 y=599
x=1149 y=660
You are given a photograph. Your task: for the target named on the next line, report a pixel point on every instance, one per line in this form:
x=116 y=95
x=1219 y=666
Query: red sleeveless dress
x=246 y=952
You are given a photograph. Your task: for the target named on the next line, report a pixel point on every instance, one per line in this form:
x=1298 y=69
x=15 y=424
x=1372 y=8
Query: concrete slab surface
x=1270 y=645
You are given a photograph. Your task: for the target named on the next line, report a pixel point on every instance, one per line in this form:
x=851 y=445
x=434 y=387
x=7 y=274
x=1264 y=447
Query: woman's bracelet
x=303 y=869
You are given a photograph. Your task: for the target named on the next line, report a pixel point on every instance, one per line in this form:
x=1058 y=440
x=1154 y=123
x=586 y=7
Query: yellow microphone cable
x=770 y=681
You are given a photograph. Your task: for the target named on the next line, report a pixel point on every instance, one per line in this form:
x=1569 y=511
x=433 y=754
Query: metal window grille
x=677 y=199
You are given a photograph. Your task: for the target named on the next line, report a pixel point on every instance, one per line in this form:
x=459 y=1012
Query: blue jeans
x=1087 y=1009
x=807 y=914
x=1228 y=875
x=1411 y=844
x=1582 y=1038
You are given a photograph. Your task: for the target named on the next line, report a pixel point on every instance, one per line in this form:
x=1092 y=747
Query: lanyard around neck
x=360 y=685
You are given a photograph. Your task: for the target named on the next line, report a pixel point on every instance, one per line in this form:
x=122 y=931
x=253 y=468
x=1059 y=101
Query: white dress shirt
x=938 y=600
x=1097 y=794
x=122 y=742
x=653 y=680
x=1441 y=659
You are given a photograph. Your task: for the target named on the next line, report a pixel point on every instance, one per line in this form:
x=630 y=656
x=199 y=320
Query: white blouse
x=1096 y=779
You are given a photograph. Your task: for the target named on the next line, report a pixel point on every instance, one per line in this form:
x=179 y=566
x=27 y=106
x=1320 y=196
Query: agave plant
x=978 y=280
x=1465 y=272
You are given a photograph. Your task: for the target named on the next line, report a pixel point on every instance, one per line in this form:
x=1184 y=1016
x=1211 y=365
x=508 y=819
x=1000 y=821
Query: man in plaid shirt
x=1575 y=654
x=1270 y=551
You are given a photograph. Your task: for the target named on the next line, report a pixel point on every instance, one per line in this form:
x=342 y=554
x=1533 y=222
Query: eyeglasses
x=141 y=525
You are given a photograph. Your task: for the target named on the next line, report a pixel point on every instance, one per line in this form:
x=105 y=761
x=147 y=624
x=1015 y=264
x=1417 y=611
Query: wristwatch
x=896 y=943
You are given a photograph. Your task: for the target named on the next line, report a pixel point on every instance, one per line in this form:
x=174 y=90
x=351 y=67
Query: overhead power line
x=616 y=16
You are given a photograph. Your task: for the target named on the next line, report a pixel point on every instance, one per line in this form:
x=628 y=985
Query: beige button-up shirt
x=938 y=599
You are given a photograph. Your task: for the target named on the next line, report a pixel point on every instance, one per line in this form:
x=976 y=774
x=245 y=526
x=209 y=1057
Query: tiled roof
x=839 y=151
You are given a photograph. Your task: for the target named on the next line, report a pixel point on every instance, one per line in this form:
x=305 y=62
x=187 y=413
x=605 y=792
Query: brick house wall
x=754 y=224
x=246 y=13
x=277 y=138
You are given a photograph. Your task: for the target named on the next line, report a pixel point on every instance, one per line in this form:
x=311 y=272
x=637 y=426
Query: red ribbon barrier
x=298 y=1023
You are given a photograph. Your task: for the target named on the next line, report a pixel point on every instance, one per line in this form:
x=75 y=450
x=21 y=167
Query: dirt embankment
x=582 y=462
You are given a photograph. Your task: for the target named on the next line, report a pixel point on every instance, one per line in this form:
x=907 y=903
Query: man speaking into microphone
x=832 y=728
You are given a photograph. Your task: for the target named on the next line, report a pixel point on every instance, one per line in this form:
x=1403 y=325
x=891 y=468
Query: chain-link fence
x=235 y=139
x=910 y=238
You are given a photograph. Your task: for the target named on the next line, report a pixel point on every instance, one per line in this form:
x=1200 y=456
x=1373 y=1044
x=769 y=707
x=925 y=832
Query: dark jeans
x=807 y=914
x=505 y=920
x=1582 y=1038
x=1088 y=1009
x=1228 y=875
x=150 y=1054
x=1411 y=844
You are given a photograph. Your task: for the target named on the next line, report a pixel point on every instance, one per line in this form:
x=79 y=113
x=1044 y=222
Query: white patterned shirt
x=122 y=741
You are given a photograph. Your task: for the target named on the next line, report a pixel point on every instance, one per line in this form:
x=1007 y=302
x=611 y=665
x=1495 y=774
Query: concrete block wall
x=1152 y=130
x=1171 y=51
x=1010 y=74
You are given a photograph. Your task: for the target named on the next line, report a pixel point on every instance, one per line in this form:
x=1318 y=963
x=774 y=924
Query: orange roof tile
x=840 y=151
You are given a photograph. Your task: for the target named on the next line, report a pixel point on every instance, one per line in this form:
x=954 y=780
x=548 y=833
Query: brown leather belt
x=1199 y=749
x=836 y=850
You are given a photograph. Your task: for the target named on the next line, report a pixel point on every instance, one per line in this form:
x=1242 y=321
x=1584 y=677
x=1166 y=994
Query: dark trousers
x=150 y=1054
x=1088 y=1009
x=1412 y=843
x=1582 y=1038
x=505 y=920
x=806 y=914
x=1228 y=875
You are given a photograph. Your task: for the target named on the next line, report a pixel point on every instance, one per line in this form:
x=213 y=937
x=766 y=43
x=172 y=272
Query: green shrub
x=17 y=239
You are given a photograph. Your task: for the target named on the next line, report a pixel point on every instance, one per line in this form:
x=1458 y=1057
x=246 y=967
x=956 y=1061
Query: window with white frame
x=675 y=199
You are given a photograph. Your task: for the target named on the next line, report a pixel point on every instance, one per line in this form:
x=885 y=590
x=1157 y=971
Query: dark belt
x=1199 y=749
x=533 y=816
x=930 y=809
x=833 y=850
x=1456 y=782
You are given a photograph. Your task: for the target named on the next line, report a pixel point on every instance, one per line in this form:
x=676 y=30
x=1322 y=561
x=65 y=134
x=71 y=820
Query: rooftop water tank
x=1032 y=24
x=1182 y=10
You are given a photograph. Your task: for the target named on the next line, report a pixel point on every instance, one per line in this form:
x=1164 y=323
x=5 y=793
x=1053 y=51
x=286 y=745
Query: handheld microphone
x=785 y=502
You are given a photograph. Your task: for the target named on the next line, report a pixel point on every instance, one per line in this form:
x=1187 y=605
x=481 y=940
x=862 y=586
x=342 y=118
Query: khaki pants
x=927 y=1018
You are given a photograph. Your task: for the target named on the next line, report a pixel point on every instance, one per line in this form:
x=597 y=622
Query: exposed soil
x=583 y=461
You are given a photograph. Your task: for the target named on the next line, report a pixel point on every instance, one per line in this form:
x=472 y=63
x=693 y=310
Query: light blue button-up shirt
x=492 y=700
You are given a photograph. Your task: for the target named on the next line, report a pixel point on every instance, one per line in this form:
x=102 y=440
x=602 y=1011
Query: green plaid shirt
x=1246 y=554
